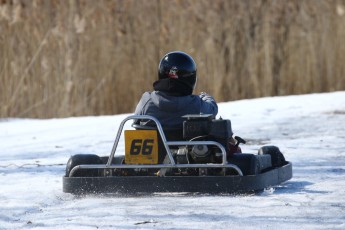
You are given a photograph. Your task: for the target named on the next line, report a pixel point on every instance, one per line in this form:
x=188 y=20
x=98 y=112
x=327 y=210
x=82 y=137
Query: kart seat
x=171 y=134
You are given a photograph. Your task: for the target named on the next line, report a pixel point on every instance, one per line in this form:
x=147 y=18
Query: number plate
x=141 y=147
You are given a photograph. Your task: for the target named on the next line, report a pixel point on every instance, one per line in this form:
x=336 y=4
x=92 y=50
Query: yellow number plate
x=141 y=147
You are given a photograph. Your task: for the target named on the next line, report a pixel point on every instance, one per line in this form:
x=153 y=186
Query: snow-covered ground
x=309 y=129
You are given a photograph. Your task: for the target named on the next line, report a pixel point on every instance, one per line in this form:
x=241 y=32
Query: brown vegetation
x=63 y=58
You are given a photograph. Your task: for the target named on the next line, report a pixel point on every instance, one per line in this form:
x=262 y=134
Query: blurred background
x=61 y=58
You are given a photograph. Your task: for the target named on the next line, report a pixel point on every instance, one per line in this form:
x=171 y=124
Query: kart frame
x=109 y=183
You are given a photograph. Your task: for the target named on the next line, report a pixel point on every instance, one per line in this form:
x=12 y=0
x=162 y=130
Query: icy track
x=309 y=129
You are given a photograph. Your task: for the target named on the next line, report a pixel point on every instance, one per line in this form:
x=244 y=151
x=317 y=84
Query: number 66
x=141 y=146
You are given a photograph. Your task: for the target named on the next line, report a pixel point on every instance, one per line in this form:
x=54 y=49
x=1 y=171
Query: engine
x=204 y=127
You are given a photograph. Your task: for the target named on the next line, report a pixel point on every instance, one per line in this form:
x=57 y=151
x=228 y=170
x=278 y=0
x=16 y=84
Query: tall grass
x=82 y=57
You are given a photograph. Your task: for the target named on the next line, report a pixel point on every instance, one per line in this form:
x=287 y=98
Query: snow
x=309 y=129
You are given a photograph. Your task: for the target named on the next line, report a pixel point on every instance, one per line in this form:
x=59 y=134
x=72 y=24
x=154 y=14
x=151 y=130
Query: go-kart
x=193 y=159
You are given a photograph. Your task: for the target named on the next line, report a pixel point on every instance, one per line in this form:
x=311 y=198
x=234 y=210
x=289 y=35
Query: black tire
x=277 y=157
x=83 y=159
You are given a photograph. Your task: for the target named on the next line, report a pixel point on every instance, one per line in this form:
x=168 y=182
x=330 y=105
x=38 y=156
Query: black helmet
x=180 y=66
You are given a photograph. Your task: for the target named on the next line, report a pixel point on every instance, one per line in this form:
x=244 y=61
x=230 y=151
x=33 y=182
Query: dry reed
x=84 y=57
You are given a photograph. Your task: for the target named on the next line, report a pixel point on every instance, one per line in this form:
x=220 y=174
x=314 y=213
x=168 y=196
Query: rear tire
x=277 y=157
x=83 y=159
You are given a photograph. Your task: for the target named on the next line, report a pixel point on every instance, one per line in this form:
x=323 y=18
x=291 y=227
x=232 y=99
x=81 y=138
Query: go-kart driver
x=172 y=97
